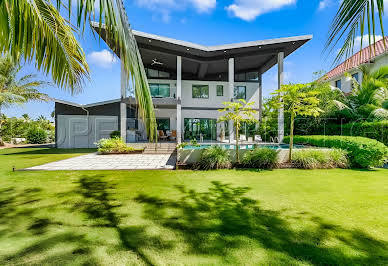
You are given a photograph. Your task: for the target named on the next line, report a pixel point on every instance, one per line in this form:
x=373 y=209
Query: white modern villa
x=188 y=82
x=374 y=55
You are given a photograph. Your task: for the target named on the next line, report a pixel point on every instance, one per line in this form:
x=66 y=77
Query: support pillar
x=260 y=97
x=123 y=105
x=281 y=109
x=231 y=95
x=179 y=97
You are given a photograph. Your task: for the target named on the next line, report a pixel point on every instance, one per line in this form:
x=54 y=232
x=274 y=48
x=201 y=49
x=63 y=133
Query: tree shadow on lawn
x=19 y=219
x=99 y=205
x=216 y=221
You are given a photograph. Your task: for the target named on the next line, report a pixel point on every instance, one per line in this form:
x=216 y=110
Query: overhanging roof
x=255 y=56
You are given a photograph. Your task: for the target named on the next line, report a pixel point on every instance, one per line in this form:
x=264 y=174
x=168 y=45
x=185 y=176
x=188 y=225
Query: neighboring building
x=188 y=83
x=373 y=55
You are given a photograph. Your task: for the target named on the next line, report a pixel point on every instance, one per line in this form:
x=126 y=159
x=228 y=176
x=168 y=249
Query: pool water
x=244 y=146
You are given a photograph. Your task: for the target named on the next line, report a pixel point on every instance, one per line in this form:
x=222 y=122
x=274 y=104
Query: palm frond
x=36 y=31
x=349 y=21
x=380 y=114
x=117 y=30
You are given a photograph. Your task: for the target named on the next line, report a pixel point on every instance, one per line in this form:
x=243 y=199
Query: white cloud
x=250 y=9
x=163 y=8
x=323 y=4
x=204 y=5
x=103 y=58
x=365 y=41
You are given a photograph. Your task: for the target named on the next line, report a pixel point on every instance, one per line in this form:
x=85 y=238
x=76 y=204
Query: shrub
x=36 y=136
x=362 y=152
x=114 y=145
x=214 y=157
x=261 y=158
x=115 y=134
x=373 y=130
x=314 y=159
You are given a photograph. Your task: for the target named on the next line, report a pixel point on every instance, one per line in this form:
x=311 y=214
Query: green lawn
x=290 y=217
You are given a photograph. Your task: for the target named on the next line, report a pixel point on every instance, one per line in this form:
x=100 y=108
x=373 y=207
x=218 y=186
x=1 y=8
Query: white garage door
x=78 y=131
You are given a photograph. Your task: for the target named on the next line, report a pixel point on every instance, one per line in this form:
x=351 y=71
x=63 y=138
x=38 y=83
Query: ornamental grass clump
x=320 y=159
x=114 y=146
x=214 y=158
x=261 y=158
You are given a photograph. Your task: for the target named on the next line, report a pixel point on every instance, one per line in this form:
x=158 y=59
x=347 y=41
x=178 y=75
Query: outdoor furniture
x=173 y=135
x=250 y=139
x=161 y=135
x=258 y=138
x=243 y=138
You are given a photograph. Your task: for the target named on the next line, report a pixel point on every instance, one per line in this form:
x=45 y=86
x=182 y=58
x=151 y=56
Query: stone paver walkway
x=111 y=162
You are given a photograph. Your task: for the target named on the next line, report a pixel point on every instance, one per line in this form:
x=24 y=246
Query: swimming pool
x=243 y=146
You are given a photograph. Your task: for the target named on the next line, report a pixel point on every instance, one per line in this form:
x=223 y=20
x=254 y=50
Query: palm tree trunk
x=1 y=139
x=291 y=136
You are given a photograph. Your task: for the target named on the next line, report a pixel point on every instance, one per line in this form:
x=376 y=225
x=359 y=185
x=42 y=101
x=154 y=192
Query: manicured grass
x=301 y=217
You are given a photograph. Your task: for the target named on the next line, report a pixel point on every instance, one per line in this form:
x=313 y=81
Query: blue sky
x=207 y=22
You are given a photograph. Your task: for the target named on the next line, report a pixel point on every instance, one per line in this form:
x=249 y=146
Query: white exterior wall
x=214 y=101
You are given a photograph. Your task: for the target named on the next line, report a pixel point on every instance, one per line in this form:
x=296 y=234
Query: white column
x=123 y=105
x=231 y=95
x=179 y=96
x=281 y=109
x=260 y=96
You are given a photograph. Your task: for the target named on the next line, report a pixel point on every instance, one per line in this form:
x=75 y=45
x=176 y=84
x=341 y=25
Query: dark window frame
x=222 y=90
x=158 y=84
x=200 y=87
x=338 y=82
x=239 y=87
x=356 y=76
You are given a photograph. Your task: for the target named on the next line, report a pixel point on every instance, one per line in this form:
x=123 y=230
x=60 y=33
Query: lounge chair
x=258 y=138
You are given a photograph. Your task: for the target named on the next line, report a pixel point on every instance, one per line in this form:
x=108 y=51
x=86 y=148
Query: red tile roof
x=364 y=56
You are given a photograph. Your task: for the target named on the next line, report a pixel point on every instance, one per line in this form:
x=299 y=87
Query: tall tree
x=238 y=112
x=36 y=31
x=297 y=99
x=15 y=89
x=350 y=21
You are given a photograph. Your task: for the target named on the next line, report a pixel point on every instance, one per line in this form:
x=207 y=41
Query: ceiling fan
x=156 y=62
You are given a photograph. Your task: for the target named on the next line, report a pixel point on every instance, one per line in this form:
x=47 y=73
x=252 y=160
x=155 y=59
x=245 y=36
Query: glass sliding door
x=195 y=127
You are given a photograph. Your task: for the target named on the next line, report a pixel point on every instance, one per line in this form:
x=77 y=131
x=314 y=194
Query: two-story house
x=374 y=55
x=188 y=83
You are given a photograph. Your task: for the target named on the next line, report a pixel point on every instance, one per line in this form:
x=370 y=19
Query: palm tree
x=14 y=90
x=368 y=99
x=36 y=31
x=350 y=20
x=26 y=117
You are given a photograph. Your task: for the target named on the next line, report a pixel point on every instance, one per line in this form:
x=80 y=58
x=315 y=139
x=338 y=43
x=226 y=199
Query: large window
x=220 y=90
x=240 y=92
x=201 y=91
x=249 y=76
x=154 y=74
x=163 y=123
x=195 y=128
x=160 y=90
x=338 y=84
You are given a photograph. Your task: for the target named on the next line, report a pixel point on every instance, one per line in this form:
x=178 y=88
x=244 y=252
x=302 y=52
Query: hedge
x=362 y=152
x=373 y=130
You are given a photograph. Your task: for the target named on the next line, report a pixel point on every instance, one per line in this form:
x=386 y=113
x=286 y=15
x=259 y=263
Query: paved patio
x=111 y=162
